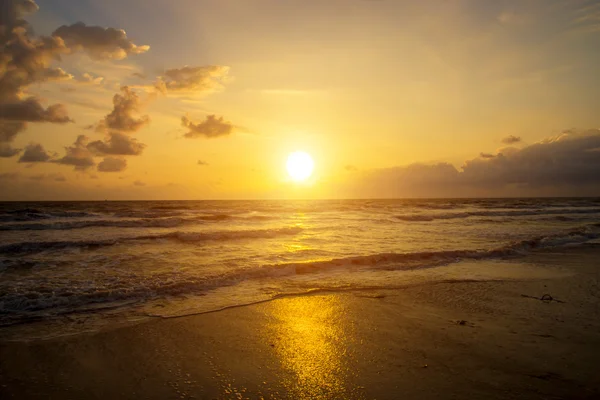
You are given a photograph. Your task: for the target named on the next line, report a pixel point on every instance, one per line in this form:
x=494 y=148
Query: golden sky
x=194 y=99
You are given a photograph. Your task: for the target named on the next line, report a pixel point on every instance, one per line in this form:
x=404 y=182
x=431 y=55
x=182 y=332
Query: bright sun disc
x=300 y=166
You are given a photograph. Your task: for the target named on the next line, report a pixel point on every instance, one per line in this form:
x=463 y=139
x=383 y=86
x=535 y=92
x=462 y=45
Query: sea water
x=169 y=258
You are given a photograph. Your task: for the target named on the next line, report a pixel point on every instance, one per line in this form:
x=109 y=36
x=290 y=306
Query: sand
x=450 y=339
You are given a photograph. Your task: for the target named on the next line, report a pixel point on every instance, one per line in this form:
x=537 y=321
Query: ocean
x=105 y=261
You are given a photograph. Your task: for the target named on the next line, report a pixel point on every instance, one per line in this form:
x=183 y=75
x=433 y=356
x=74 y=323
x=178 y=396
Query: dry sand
x=444 y=340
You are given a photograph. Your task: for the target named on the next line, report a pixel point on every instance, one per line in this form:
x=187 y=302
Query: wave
x=24 y=302
x=498 y=213
x=184 y=237
x=151 y=222
x=33 y=214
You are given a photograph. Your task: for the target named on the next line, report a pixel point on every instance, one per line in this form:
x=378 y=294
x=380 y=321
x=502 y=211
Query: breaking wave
x=33 y=214
x=24 y=302
x=169 y=222
x=185 y=237
x=498 y=213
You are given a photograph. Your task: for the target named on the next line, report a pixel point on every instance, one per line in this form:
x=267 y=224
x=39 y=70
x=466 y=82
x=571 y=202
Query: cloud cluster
x=32 y=111
x=112 y=164
x=208 y=78
x=100 y=43
x=211 y=127
x=81 y=153
x=122 y=117
x=26 y=59
x=78 y=155
x=35 y=153
x=117 y=144
x=570 y=160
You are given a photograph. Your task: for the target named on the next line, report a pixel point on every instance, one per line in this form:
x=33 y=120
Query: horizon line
x=314 y=199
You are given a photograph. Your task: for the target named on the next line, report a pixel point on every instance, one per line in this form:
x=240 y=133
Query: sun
x=300 y=166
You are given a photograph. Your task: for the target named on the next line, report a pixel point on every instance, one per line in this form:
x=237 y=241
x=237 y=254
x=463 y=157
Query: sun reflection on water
x=297 y=244
x=310 y=341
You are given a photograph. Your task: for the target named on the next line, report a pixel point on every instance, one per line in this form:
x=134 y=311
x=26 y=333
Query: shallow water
x=177 y=257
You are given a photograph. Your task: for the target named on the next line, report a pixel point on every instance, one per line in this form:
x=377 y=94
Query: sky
x=205 y=99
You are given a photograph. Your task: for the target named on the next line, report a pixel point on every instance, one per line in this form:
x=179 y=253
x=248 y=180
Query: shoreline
x=450 y=340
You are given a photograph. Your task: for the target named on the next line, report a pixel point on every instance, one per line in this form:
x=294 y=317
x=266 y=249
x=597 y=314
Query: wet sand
x=450 y=339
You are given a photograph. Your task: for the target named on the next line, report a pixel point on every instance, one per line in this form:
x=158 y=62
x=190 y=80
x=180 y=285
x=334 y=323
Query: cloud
x=34 y=153
x=511 y=139
x=9 y=175
x=78 y=155
x=565 y=159
x=32 y=111
x=112 y=164
x=100 y=43
x=139 y=183
x=486 y=155
x=10 y=129
x=121 y=118
x=26 y=59
x=117 y=144
x=13 y=11
x=7 y=151
x=90 y=79
x=198 y=79
x=203 y=163
x=46 y=177
x=556 y=165
x=211 y=127
x=351 y=168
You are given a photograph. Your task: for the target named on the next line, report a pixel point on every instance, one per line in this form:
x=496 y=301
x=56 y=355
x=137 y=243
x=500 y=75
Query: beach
x=447 y=338
x=297 y=200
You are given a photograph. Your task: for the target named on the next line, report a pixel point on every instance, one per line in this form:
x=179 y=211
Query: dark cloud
x=117 y=144
x=202 y=163
x=26 y=59
x=486 y=155
x=78 y=155
x=566 y=159
x=10 y=129
x=511 y=139
x=139 y=183
x=211 y=127
x=566 y=164
x=34 y=153
x=112 y=164
x=100 y=43
x=32 y=111
x=121 y=118
x=198 y=79
x=7 y=150
x=13 y=11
